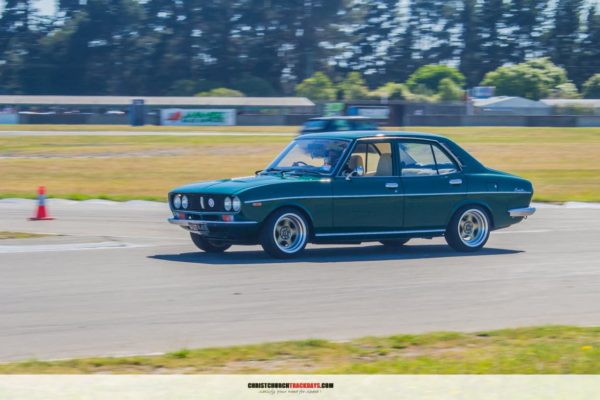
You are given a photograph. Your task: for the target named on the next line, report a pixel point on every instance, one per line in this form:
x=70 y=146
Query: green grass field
x=540 y=350
x=563 y=163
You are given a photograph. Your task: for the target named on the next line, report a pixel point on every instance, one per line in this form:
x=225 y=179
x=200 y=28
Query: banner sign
x=374 y=112
x=333 y=109
x=181 y=117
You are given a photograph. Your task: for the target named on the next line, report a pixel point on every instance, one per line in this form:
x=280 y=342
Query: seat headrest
x=384 y=168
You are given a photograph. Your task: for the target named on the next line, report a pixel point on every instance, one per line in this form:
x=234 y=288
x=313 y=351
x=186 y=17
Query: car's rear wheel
x=394 y=243
x=209 y=246
x=285 y=234
x=469 y=229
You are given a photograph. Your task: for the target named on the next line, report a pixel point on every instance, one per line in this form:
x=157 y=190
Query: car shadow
x=331 y=255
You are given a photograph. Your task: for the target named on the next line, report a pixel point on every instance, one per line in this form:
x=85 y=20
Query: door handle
x=456 y=182
x=391 y=186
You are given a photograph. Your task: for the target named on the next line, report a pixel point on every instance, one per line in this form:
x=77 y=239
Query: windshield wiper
x=306 y=171
x=276 y=170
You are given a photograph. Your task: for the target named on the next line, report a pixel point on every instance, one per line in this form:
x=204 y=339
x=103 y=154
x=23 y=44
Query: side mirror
x=358 y=171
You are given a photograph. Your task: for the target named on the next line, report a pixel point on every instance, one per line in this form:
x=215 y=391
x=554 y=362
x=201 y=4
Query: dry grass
x=564 y=164
x=18 y=235
x=541 y=350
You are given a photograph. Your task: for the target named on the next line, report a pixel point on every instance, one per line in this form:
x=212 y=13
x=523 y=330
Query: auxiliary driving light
x=227 y=204
x=237 y=204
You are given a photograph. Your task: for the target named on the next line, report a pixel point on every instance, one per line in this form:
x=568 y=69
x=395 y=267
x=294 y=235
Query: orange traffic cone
x=41 y=212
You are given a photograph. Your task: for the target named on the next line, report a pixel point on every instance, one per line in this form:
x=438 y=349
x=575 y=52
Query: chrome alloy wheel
x=473 y=227
x=290 y=233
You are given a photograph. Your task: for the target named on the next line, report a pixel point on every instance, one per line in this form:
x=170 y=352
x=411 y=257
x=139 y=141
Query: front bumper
x=243 y=232
x=521 y=212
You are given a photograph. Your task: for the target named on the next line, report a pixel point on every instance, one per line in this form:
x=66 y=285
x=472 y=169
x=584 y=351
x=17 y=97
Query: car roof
x=349 y=117
x=354 y=135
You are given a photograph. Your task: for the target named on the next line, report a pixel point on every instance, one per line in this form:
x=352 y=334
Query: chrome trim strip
x=187 y=223
x=380 y=233
x=378 y=195
x=521 y=212
x=205 y=212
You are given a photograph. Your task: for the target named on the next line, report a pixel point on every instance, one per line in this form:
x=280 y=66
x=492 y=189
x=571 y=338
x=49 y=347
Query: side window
x=445 y=165
x=416 y=159
x=373 y=159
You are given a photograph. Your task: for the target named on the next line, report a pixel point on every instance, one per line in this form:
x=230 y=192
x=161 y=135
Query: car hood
x=236 y=186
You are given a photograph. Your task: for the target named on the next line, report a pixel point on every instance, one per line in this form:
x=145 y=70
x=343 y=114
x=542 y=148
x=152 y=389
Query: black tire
x=208 y=246
x=464 y=238
x=289 y=226
x=394 y=243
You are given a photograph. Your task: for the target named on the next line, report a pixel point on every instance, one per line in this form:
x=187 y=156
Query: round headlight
x=227 y=204
x=185 y=202
x=237 y=204
x=177 y=201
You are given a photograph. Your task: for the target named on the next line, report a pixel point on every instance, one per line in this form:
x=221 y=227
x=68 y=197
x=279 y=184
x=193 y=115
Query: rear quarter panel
x=499 y=192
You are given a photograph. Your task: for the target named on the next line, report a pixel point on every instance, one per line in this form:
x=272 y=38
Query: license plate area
x=199 y=228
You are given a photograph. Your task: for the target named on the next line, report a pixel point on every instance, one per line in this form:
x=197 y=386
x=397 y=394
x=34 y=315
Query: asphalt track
x=122 y=281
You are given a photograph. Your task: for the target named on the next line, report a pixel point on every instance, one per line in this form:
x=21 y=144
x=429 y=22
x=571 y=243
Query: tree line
x=269 y=47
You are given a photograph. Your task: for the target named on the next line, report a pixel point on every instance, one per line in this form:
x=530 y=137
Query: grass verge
x=538 y=350
x=562 y=163
x=19 y=235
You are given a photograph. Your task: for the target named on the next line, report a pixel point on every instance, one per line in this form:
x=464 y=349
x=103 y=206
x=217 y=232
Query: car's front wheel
x=285 y=234
x=209 y=246
x=469 y=229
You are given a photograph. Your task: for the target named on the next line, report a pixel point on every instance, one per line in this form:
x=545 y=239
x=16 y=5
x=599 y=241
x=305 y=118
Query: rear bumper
x=242 y=232
x=521 y=212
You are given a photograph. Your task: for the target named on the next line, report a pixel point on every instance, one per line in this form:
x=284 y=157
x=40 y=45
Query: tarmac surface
x=116 y=279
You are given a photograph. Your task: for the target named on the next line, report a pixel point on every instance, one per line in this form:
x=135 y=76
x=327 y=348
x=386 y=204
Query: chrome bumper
x=184 y=223
x=521 y=212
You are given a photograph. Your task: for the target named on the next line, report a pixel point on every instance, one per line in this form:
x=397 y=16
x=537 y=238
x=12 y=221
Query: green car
x=354 y=187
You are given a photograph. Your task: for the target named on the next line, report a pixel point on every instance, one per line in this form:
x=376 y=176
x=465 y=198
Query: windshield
x=318 y=156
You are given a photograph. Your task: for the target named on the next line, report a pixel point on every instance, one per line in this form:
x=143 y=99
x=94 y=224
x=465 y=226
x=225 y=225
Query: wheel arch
x=473 y=202
x=303 y=211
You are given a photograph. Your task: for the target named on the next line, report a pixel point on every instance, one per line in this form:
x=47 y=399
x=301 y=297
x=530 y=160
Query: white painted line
x=517 y=232
x=43 y=248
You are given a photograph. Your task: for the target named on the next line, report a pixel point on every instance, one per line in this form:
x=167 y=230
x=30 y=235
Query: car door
x=367 y=195
x=433 y=184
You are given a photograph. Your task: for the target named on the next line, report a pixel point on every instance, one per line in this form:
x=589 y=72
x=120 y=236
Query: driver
x=331 y=159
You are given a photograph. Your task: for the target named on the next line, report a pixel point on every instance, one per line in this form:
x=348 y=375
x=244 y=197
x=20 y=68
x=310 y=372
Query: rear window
x=315 y=125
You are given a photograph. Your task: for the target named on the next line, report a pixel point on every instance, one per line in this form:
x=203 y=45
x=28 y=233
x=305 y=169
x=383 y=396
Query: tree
x=353 y=87
x=430 y=77
x=448 y=90
x=221 y=92
x=375 y=29
x=565 y=91
x=470 y=53
x=591 y=87
x=317 y=88
x=590 y=48
x=524 y=22
x=564 y=37
x=534 y=79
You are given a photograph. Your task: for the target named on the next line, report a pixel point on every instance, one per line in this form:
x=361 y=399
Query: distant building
x=507 y=105
x=114 y=109
x=574 y=106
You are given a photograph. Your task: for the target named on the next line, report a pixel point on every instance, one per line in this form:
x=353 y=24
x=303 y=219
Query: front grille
x=196 y=203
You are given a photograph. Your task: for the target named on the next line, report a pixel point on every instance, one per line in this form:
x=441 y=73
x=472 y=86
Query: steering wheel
x=299 y=164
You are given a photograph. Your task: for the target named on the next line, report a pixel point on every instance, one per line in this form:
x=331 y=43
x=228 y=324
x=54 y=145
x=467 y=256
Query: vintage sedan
x=354 y=187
